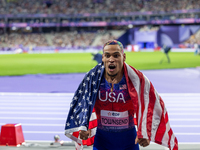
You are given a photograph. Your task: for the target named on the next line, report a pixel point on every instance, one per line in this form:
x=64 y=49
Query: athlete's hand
x=143 y=142
x=84 y=135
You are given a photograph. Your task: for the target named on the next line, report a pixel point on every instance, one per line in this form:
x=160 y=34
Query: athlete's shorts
x=125 y=140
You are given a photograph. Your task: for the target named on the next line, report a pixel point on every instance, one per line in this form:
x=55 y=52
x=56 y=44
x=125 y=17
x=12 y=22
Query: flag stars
x=84 y=97
x=77 y=116
x=102 y=67
x=88 y=79
x=86 y=91
x=90 y=103
x=89 y=94
x=83 y=110
x=79 y=104
x=75 y=97
x=71 y=117
x=80 y=91
x=99 y=71
x=93 y=82
x=71 y=105
x=68 y=124
x=74 y=110
x=86 y=110
x=84 y=84
x=75 y=122
x=95 y=90
x=79 y=122
x=88 y=98
x=92 y=74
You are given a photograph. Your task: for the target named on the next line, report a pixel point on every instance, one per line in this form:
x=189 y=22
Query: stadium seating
x=93 y=6
x=66 y=23
x=58 y=39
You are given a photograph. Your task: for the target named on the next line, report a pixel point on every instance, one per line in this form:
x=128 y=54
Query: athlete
x=118 y=92
x=114 y=107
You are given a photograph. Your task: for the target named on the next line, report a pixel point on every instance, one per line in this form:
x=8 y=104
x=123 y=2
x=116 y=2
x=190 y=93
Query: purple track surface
x=165 y=81
x=41 y=102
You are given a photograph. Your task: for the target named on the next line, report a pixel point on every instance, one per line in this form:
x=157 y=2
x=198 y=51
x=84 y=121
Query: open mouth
x=111 y=67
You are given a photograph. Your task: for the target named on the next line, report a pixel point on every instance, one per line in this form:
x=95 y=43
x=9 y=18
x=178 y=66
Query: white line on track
x=182 y=102
x=31 y=118
x=33 y=108
x=25 y=124
x=187 y=133
x=182 y=105
x=188 y=119
x=28 y=112
x=179 y=94
x=36 y=94
x=45 y=132
x=28 y=101
x=38 y=105
x=178 y=109
x=186 y=126
x=185 y=114
x=179 y=100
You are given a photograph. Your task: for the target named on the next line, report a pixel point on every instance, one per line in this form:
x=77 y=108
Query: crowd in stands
x=15 y=39
x=193 y=40
x=93 y=6
x=57 y=39
x=61 y=39
x=72 y=39
x=74 y=7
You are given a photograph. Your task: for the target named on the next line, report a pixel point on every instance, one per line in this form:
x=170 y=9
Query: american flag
x=151 y=114
x=122 y=87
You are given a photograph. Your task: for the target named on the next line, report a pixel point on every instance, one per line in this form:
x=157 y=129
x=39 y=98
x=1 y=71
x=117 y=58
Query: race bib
x=114 y=119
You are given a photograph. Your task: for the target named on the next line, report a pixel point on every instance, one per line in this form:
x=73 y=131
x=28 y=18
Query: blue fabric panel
x=184 y=33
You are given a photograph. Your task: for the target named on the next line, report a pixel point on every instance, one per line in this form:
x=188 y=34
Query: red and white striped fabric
x=89 y=142
x=151 y=114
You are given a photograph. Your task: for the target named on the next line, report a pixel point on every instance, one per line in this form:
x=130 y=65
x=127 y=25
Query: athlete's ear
x=124 y=57
x=102 y=57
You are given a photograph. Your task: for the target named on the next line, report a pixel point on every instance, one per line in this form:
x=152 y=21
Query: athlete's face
x=113 y=59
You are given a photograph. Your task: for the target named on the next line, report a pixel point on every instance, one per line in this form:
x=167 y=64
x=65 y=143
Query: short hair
x=114 y=42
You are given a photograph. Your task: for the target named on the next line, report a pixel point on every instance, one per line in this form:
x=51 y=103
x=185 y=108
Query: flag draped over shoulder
x=151 y=114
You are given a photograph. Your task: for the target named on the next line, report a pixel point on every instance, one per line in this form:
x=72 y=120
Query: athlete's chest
x=118 y=99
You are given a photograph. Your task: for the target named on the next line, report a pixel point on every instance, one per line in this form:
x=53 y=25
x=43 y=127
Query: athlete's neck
x=114 y=79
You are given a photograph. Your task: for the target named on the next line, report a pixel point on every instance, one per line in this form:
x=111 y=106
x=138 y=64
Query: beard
x=112 y=75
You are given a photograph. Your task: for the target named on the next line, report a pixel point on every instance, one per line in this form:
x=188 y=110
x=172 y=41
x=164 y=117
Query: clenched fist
x=84 y=135
x=143 y=142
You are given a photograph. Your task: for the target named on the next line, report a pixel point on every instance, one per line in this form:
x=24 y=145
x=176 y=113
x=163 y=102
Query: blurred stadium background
x=73 y=29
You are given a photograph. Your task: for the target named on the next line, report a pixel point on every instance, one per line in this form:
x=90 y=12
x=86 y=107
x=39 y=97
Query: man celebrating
x=118 y=92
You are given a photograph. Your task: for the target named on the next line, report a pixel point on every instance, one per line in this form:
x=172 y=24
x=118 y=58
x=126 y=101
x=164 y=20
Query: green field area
x=20 y=64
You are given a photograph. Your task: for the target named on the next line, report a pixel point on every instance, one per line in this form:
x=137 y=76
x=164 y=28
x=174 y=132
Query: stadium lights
x=14 y=28
x=28 y=28
x=130 y=26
